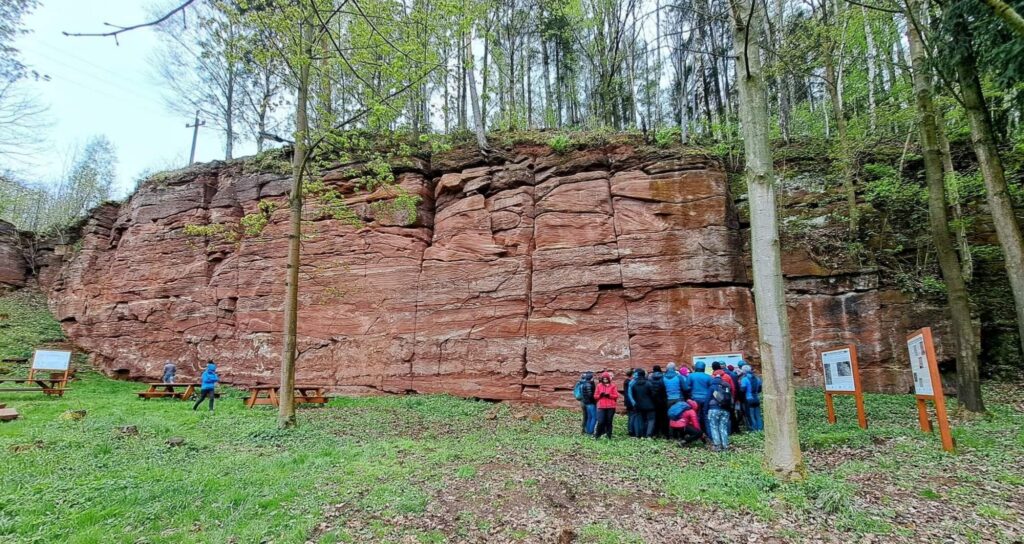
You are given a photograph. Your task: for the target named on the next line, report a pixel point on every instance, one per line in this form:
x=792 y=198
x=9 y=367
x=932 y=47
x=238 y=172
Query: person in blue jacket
x=208 y=386
x=750 y=389
x=673 y=385
x=700 y=391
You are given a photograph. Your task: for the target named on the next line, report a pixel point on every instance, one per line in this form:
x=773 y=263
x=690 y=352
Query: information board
x=838 y=368
x=51 y=360
x=735 y=359
x=919 y=365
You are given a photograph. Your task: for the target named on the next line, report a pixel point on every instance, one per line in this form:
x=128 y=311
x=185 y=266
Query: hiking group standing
x=678 y=404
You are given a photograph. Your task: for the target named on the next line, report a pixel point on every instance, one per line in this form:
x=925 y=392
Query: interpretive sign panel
x=919 y=365
x=838 y=367
x=925 y=368
x=735 y=359
x=57 y=361
x=842 y=377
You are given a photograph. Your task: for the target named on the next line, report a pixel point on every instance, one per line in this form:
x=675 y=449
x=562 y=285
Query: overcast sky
x=99 y=87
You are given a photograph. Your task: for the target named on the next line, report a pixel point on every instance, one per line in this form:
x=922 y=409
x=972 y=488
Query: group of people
x=681 y=404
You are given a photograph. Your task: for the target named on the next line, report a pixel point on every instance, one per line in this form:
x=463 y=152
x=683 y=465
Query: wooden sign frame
x=67 y=370
x=857 y=393
x=937 y=397
x=707 y=367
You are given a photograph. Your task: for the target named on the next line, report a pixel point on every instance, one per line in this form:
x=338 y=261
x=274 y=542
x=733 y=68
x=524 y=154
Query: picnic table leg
x=189 y=391
x=253 y=393
x=273 y=397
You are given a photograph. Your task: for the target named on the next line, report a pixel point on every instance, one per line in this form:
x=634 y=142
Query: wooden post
x=830 y=408
x=933 y=393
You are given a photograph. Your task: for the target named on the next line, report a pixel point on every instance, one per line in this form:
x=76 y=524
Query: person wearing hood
x=673 y=385
x=207 y=388
x=170 y=369
x=607 y=397
x=657 y=381
x=700 y=382
x=719 y=407
x=584 y=392
x=685 y=425
x=641 y=395
x=750 y=385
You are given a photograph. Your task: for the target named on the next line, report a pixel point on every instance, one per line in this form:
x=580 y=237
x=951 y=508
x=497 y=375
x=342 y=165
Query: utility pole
x=195 y=135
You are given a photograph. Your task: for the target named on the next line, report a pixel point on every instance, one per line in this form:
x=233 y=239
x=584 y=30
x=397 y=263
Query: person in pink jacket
x=607 y=397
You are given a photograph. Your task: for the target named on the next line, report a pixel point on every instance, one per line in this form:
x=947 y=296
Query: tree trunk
x=869 y=35
x=969 y=388
x=991 y=165
x=286 y=396
x=834 y=85
x=478 y=118
x=1007 y=13
x=959 y=226
x=782 y=443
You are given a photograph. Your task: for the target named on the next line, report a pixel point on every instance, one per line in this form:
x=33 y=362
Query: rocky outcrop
x=518 y=273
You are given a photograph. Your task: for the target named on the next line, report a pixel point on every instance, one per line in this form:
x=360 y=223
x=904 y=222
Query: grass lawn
x=441 y=469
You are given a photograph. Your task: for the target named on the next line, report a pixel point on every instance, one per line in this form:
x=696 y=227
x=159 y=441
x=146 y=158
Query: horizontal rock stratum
x=521 y=271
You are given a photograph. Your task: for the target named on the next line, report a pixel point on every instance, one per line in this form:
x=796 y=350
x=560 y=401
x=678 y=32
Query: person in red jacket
x=686 y=428
x=607 y=397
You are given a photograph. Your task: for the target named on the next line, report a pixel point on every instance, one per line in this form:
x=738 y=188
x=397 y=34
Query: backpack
x=722 y=395
x=676 y=410
x=577 y=391
x=753 y=390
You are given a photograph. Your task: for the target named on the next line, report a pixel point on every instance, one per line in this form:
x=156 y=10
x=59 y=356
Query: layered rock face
x=519 y=273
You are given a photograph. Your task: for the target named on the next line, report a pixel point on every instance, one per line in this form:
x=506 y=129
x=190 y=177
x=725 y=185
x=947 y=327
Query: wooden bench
x=46 y=386
x=44 y=360
x=172 y=390
x=8 y=414
x=269 y=395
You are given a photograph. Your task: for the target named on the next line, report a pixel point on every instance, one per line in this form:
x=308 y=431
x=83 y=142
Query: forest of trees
x=845 y=75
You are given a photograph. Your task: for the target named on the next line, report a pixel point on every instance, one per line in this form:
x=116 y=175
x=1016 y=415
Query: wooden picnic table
x=54 y=385
x=268 y=395
x=172 y=390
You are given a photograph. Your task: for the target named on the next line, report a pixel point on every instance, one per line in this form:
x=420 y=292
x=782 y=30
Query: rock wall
x=520 y=272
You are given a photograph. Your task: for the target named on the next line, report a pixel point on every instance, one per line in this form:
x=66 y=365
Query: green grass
x=388 y=463
x=25 y=321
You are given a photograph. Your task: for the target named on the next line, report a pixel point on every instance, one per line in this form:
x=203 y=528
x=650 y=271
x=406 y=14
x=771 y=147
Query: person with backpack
x=657 y=381
x=750 y=383
x=719 y=407
x=700 y=384
x=738 y=415
x=641 y=394
x=631 y=415
x=606 y=396
x=684 y=423
x=584 y=393
x=720 y=371
x=207 y=388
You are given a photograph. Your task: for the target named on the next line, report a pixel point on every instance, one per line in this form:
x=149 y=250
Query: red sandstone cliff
x=517 y=276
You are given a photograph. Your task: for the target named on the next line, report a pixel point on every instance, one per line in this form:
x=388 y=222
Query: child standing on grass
x=607 y=396
x=208 y=386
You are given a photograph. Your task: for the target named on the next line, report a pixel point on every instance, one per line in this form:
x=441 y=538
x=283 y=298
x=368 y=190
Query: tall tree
x=969 y=385
x=990 y=163
x=782 y=443
x=201 y=66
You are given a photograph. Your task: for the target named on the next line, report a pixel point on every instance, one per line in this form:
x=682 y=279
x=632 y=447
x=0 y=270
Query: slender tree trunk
x=1001 y=206
x=229 y=118
x=478 y=118
x=959 y=227
x=969 y=387
x=286 y=395
x=481 y=120
x=782 y=443
x=834 y=84
x=872 y=70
